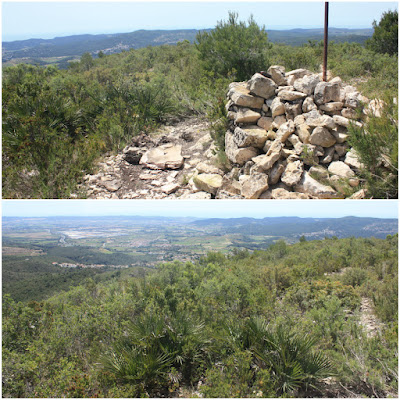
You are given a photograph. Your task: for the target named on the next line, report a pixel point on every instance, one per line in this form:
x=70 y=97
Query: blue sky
x=204 y=209
x=24 y=20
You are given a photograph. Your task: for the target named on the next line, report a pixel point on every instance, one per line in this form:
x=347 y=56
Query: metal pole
x=325 y=42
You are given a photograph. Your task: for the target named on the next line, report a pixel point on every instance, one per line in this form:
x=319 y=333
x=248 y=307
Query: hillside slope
x=76 y=45
x=286 y=322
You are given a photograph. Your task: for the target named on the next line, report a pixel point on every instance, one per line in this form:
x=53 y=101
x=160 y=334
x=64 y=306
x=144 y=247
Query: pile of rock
x=288 y=135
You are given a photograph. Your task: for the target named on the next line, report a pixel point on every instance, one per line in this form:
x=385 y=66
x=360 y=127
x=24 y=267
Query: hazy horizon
x=202 y=209
x=119 y=33
x=46 y=20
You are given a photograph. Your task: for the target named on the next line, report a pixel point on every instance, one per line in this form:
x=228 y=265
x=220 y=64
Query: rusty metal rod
x=325 y=42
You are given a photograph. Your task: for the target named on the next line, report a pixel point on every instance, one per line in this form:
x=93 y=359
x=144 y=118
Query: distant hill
x=314 y=228
x=72 y=47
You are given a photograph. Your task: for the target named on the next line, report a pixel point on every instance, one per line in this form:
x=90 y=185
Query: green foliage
x=263 y=324
x=291 y=359
x=385 y=37
x=376 y=145
x=233 y=47
x=57 y=123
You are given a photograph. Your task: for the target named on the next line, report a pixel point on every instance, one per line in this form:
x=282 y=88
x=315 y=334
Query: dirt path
x=119 y=179
x=368 y=320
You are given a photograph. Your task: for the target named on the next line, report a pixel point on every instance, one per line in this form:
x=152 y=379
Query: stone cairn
x=288 y=135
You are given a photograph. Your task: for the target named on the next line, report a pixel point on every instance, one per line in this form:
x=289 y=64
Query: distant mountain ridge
x=315 y=228
x=76 y=45
x=289 y=227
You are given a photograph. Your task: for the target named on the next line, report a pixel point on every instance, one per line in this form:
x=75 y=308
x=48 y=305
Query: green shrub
x=376 y=145
x=233 y=46
x=385 y=37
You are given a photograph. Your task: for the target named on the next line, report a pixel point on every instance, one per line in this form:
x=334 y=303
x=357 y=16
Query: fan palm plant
x=291 y=359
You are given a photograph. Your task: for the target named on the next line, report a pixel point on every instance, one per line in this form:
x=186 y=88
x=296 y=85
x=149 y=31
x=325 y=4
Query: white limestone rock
x=265 y=123
x=261 y=86
x=292 y=174
x=291 y=95
x=307 y=84
x=167 y=156
x=246 y=116
x=209 y=183
x=322 y=137
x=315 y=119
x=277 y=73
x=353 y=160
x=235 y=154
x=277 y=107
x=282 y=194
x=251 y=136
x=241 y=96
x=340 y=169
x=312 y=187
x=298 y=73
x=309 y=105
x=285 y=130
x=254 y=186
x=325 y=92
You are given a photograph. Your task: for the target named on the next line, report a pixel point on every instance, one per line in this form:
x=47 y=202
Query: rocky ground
x=287 y=139
x=187 y=147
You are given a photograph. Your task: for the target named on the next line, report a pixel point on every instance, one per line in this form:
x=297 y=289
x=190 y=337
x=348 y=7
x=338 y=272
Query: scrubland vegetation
x=288 y=321
x=56 y=123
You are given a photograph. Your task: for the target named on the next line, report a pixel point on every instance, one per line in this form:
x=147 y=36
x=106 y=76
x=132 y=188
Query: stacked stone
x=286 y=128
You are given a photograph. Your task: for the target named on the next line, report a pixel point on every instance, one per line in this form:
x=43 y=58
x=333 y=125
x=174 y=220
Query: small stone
x=326 y=92
x=265 y=123
x=309 y=105
x=207 y=168
x=196 y=196
x=349 y=113
x=251 y=136
x=361 y=194
x=277 y=73
x=290 y=95
x=170 y=188
x=235 y=154
x=282 y=194
x=254 y=186
x=261 y=86
x=285 y=130
x=163 y=157
x=265 y=162
x=314 y=119
x=342 y=121
x=111 y=186
x=276 y=172
x=241 y=96
x=246 y=116
x=312 y=187
x=353 y=160
x=341 y=169
x=322 y=137
x=278 y=121
x=340 y=134
x=331 y=107
x=209 y=183
x=298 y=73
x=303 y=131
x=292 y=174
x=277 y=107
x=307 y=84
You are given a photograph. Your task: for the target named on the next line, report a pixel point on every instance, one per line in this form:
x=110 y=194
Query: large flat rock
x=167 y=156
